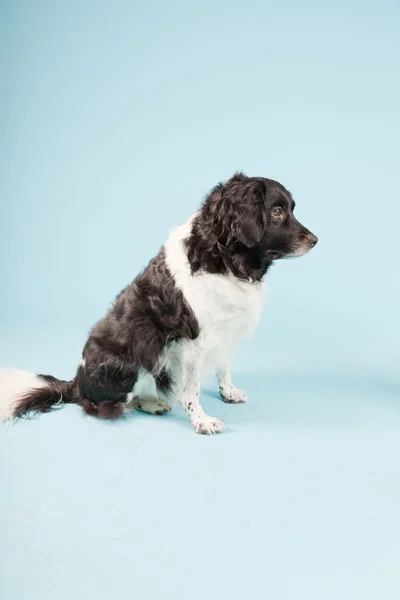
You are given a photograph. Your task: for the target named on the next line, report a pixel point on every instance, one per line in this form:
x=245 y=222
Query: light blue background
x=116 y=119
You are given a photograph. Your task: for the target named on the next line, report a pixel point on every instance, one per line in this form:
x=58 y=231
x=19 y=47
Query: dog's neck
x=209 y=253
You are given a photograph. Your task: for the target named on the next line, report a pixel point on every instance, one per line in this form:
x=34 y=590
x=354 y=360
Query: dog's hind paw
x=153 y=406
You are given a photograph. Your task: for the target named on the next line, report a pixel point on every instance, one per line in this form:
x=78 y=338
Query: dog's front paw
x=232 y=395
x=208 y=425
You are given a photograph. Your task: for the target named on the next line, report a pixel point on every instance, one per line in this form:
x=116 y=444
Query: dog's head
x=258 y=213
x=244 y=225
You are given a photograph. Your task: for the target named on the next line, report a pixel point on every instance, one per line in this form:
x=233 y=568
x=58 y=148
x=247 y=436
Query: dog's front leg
x=189 y=395
x=229 y=393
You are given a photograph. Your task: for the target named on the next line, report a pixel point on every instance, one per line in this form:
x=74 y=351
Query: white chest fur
x=226 y=308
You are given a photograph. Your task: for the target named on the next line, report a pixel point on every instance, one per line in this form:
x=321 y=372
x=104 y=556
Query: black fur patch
x=146 y=316
x=163 y=381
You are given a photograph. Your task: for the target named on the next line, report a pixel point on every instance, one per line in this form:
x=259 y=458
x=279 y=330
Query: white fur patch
x=226 y=308
x=13 y=385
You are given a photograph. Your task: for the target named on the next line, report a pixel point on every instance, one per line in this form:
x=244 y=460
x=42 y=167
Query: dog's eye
x=277 y=212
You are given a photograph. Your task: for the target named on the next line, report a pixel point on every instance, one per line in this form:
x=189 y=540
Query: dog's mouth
x=301 y=247
x=274 y=254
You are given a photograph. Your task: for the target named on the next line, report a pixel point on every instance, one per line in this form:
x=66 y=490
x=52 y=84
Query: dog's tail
x=23 y=393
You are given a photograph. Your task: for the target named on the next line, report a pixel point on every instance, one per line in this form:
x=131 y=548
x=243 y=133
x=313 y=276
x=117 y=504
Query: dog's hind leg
x=147 y=397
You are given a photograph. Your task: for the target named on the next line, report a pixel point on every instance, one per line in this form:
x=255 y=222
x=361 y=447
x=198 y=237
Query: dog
x=181 y=316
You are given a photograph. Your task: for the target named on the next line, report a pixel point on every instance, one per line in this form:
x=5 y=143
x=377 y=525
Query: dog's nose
x=311 y=240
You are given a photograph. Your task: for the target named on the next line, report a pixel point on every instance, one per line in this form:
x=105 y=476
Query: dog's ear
x=235 y=211
x=249 y=214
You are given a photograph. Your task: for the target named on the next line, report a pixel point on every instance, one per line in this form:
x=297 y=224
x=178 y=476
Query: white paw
x=232 y=395
x=153 y=406
x=208 y=425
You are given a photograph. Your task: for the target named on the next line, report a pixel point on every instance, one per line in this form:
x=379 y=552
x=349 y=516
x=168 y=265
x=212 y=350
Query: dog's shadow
x=301 y=400
x=306 y=400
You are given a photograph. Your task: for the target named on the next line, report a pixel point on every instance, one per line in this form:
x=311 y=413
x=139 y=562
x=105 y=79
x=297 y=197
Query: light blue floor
x=117 y=118
x=299 y=498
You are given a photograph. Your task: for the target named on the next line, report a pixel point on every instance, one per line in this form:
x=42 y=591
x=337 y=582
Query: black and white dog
x=181 y=316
